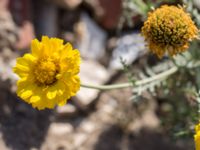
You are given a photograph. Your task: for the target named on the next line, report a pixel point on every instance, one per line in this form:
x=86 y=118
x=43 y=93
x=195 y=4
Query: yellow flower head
x=49 y=74
x=197 y=137
x=169 y=29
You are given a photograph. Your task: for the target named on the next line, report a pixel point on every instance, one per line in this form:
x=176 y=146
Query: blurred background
x=107 y=33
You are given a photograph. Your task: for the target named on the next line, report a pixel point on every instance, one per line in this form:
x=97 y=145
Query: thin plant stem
x=159 y=76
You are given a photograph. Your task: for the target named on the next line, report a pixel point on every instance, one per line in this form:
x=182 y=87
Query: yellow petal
x=62 y=103
x=39 y=105
x=20 y=73
x=24 y=64
x=64 y=52
x=51 y=94
x=26 y=94
x=56 y=43
x=50 y=45
x=68 y=47
x=22 y=68
x=30 y=59
x=35 y=99
x=36 y=47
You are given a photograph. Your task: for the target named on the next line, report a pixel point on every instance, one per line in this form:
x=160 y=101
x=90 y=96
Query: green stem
x=159 y=76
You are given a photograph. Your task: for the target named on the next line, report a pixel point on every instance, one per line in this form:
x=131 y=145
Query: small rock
x=90 y=38
x=60 y=129
x=150 y=120
x=79 y=139
x=88 y=126
x=108 y=106
x=108 y=109
x=6 y=72
x=91 y=73
x=129 y=48
x=66 y=110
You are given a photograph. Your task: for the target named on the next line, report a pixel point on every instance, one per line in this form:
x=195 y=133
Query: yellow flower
x=49 y=74
x=169 y=29
x=197 y=137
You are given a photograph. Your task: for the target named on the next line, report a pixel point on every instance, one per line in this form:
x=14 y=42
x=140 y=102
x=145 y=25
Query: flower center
x=169 y=31
x=45 y=71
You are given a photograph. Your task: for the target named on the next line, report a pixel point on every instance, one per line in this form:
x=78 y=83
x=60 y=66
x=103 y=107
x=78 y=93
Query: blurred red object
x=107 y=12
x=112 y=10
x=20 y=10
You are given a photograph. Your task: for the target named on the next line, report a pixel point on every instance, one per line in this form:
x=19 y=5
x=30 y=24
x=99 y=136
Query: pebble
x=60 y=129
x=88 y=126
x=79 y=139
x=91 y=73
x=129 y=48
x=66 y=110
x=91 y=39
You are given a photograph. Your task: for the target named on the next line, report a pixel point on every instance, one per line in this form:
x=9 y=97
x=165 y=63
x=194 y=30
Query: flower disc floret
x=45 y=71
x=49 y=74
x=169 y=29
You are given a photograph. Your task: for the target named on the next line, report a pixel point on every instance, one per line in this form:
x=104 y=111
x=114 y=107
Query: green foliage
x=126 y=69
